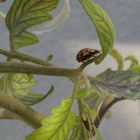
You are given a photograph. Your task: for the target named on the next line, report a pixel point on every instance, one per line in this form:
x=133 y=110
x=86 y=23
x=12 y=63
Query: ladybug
x=87 y=53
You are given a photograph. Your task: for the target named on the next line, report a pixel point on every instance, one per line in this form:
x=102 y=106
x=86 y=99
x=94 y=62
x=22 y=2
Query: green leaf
x=33 y=98
x=119 y=59
x=97 y=134
x=103 y=25
x=81 y=93
x=58 y=125
x=118 y=83
x=18 y=85
x=25 y=39
x=25 y=14
x=133 y=59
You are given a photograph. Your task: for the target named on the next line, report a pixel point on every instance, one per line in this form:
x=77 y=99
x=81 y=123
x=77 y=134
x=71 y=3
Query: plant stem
x=83 y=129
x=81 y=125
x=26 y=113
x=24 y=57
x=10 y=67
x=76 y=87
x=105 y=106
x=119 y=59
x=12 y=46
x=6 y=114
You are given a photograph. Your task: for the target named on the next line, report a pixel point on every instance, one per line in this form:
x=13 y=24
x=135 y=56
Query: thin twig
x=24 y=57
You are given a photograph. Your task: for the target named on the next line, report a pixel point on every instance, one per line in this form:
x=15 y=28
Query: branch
x=6 y=114
x=26 y=113
x=105 y=106
x=24 y=57
x=11 y=67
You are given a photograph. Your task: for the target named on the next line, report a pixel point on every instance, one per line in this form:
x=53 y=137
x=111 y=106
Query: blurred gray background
x=64 y=42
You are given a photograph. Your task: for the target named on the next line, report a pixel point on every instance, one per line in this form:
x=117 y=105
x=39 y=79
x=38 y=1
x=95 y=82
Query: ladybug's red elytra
x=87 y=53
